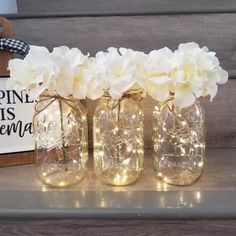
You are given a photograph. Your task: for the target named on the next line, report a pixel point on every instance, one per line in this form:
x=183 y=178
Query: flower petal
x=159 y=93
x=184 y=96
x=212 y=91
x=159 y=80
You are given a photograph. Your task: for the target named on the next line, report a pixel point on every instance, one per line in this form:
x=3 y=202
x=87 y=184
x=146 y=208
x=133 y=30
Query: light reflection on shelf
x=161 y=186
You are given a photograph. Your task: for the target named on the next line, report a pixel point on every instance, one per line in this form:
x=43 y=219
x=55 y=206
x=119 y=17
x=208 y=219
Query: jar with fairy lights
x=58 y=81
x=118 y=139
x=179 y=142
x=181 y=80
x=60 y=131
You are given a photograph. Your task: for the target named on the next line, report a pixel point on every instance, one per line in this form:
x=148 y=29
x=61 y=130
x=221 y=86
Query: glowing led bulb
x=193 y=132
x=165 y=179
x=101 y=153
x=183 y=151
x=138 y=141
x=182 y=140
x=140 y=151
x=200 y=164
x=98 y=144
x=62 y=184
x=126 y=161
x=44 y=189
x=83 y=118
x=115 y=130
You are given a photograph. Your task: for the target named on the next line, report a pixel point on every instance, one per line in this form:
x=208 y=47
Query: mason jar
x=179 y=142
x=118 y=139
x=60 y=132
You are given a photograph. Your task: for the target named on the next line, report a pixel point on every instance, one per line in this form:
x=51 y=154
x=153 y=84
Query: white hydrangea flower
x=117 y=71
x=72 y=80
x=187 y=73
x=73 y=55
x=60 y=72
x=158 y=67
x=96 y=84
x=195 y=73
x=140 y=62
x=34 y=72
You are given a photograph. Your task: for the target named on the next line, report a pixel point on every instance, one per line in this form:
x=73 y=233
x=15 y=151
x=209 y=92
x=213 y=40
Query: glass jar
x=60 y=131
x=179 y=142
x=118 y=139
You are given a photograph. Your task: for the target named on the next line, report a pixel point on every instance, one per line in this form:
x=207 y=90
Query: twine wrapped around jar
x=134 y=94
x=51 y=99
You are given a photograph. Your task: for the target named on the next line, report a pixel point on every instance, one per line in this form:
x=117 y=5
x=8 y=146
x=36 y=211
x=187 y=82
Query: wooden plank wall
x=113 y=7
x=94 y=25
x=89 y=227
x=142 y=25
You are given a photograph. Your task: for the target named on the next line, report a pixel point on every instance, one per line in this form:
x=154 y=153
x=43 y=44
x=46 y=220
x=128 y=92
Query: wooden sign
x=16 y=112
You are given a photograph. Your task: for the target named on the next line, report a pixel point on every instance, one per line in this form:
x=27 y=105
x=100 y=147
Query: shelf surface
x=213 y=196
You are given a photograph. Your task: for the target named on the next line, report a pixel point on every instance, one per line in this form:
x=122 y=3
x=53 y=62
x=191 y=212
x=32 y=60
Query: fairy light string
x=120 y=149
x=178 y=142
x=60 y=135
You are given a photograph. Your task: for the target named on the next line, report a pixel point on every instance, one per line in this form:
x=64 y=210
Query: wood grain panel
x=118 y=227
x=92 y=34
x=123 y=7
x=20 y=158
x=217 y=31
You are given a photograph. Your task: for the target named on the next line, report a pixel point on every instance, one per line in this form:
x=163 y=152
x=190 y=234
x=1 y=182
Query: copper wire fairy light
x=179 y=143
x=118 y=137
x=61 y=141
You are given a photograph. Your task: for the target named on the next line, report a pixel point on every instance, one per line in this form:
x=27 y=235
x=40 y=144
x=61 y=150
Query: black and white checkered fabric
x=14 y=45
